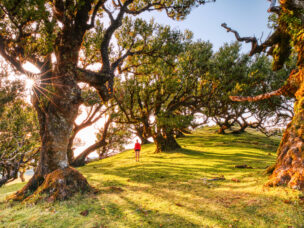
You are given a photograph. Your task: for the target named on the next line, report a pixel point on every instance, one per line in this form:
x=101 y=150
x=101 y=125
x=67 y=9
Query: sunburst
x=38 y=88
x=29 y=83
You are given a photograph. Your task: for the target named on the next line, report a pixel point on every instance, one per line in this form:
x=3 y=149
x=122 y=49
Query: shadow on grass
x=244 y=140
x=169 y=168
x=185 y=171
x=177 y=182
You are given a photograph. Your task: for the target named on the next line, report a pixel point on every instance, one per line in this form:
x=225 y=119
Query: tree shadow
x=166 y=179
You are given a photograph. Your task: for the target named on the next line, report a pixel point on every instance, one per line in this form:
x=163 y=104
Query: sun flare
x=29 y=83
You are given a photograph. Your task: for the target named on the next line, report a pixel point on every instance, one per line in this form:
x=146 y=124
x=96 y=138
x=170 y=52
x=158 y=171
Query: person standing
x=137 y=148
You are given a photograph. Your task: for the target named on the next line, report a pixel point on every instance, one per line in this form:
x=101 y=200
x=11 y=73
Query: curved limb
x=264 y=96
x=289 y=89
x=255 y=46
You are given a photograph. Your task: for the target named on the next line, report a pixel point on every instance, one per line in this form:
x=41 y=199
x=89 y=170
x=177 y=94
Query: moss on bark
x=60 y=184
x=289 y=168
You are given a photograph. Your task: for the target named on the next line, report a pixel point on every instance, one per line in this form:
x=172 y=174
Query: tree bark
x=57 y=108
x=165 y=143
x=56 y=117
x=179 y=134
x=140 y=133
x=289 y=168
x=70 y=152
x=21 y=175
x=103 y=153
x=221 y=130
x=143 y=130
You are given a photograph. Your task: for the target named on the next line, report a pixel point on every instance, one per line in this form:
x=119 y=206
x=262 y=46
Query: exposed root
x=61 y=184
x=289 y=172
x=289 y=168
x=270 y=169
x=291 y=178
x=28 y=189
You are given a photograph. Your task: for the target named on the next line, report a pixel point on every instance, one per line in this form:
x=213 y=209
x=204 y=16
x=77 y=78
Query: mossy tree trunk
x=179 y=134
x=57 y=106
x=140 y=132
x=288 y=36
x=56 y=117
x=289 y=168
x=165 y=142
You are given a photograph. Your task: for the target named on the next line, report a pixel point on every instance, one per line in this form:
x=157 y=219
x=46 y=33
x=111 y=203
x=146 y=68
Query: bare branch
x=96 y=8
x=145 y=8
x=264 y=96
x=91 y=77
x=109 y=13
x=289 y=89
x=58 y=9
x=255 y=47
x=115 y=24
x=80 y=159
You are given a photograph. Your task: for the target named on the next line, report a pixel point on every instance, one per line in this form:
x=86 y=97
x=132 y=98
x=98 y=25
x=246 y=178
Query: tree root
x=292 y=178
x=289 y=170
x=270 y=169
x=60 y=184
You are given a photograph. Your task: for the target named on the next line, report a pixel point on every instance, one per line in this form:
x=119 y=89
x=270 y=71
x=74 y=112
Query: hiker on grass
x=137 y=148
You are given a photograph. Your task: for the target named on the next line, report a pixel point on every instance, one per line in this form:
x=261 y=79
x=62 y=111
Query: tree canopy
x=55 y=37
x=19 y=133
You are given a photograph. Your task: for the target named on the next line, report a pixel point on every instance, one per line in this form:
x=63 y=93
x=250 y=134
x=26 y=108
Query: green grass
x=173 y=190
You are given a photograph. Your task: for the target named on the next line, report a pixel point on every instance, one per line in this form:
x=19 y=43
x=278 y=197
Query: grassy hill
x=174 y=189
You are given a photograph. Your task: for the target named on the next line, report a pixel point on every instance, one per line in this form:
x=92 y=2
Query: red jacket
x=137 y=146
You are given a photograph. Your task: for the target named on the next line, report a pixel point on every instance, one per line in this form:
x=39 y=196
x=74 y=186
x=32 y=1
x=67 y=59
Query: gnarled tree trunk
x=141 y=134
x=289 y=168
x=56 y=118
x=57 y=106
x=143 y=130
x=165 y=142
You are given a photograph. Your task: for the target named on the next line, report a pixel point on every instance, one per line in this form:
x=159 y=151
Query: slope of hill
x=197 y=186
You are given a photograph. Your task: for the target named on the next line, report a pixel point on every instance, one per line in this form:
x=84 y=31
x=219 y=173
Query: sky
x=248 y=17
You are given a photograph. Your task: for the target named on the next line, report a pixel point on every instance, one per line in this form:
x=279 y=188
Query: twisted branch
x=278 y=92
x=255 y=47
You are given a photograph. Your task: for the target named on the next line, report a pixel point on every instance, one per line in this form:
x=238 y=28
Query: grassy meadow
x=197 y=186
